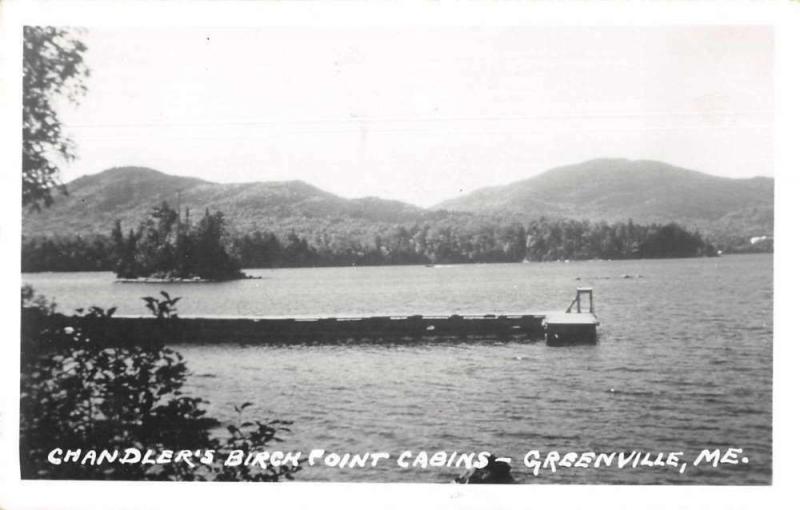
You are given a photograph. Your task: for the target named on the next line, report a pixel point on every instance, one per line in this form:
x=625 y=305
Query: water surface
x=684 y=362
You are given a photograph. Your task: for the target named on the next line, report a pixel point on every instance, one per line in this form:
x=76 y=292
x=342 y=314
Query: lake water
x=683 y=362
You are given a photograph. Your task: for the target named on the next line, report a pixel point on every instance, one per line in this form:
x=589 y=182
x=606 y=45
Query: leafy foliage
x=78 y=393
x=31 y=300
x=162 y=308
x=53 y=68
x=250 y=436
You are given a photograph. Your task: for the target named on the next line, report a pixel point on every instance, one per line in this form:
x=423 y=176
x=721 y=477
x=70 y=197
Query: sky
x=422 y=114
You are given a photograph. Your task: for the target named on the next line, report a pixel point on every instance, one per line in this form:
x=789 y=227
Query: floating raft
x=557 y=328
x=569 y=328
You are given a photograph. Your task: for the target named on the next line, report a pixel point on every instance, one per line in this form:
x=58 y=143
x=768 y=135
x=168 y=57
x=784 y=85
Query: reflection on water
x=684 y=362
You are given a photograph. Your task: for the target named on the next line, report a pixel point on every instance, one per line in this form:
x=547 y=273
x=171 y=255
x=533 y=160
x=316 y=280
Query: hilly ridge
x=618 y=189
x=724 y=209
x=94 y=202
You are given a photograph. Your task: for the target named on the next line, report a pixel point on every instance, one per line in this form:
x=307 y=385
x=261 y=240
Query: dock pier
x=556 y=328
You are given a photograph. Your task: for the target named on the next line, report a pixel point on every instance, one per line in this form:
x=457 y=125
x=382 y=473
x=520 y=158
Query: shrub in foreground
x=78 y=393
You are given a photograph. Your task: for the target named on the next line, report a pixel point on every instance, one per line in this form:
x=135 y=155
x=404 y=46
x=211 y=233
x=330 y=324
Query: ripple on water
x=684 y=362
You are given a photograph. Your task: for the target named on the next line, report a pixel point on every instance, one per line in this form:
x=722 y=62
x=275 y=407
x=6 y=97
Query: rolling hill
x=618 y=189
x=95 y=201
x=645 y=191
x=724 y=209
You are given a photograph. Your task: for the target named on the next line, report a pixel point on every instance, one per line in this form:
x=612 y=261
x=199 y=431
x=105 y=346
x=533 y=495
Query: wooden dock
x=557 y=328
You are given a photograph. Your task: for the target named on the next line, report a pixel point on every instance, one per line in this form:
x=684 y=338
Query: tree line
x=164 y=246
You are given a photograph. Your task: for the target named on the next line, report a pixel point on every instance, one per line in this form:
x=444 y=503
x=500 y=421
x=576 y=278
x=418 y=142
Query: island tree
x=165 y=247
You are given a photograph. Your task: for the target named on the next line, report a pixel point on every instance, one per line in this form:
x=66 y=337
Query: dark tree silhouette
x=53 y=70
x=163 y=247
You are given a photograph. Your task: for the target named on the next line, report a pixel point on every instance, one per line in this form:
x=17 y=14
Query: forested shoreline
x=417 y=243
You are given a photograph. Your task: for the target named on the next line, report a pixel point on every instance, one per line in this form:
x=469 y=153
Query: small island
x=165 y=249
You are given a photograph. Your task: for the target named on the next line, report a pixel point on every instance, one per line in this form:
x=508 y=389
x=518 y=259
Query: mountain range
x=600 y=189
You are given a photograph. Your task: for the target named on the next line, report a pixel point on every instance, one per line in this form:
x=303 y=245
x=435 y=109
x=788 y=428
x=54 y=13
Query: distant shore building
x=760 y=239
